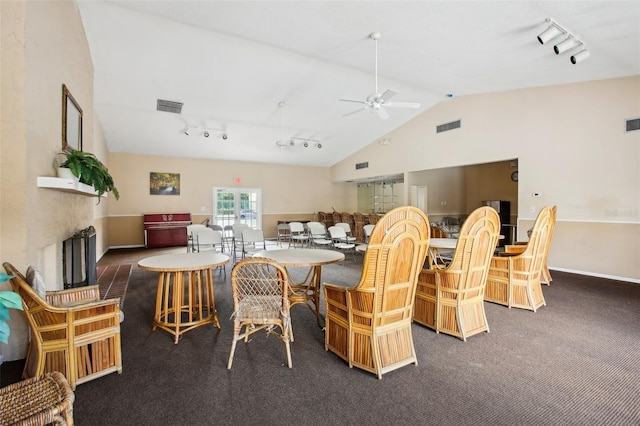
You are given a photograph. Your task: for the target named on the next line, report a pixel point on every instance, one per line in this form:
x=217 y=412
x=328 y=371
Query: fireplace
x=79 y=259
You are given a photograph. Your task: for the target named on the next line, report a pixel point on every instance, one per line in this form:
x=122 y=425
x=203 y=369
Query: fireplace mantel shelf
x=67 y=185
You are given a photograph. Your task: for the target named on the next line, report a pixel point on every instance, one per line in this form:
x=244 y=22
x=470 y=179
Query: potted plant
x=90 y=171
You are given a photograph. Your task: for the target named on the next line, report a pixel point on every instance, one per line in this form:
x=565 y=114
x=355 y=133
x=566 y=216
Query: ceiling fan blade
x=382 y=113
x=387 y=95
x=353 y=100
x=402 y=104
x=353 y=112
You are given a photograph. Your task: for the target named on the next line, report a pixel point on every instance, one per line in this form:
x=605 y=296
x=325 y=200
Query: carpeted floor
x=574 y=362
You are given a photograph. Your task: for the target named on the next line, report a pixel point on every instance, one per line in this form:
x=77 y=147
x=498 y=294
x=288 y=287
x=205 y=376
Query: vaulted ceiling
x=232 y=63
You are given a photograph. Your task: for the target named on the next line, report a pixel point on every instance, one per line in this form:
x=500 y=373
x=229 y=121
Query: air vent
x=169 y=106
x=448 y=126
x=633 y=124
x=362 y=165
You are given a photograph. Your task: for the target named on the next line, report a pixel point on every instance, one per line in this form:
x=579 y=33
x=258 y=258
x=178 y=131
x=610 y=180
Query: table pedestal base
x=307 y=291
x=180 y=307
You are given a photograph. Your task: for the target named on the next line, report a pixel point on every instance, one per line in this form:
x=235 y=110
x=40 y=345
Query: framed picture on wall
x=71 y=122
x=164 y=183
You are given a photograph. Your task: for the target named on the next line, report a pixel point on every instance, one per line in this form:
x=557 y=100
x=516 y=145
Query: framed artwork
x=164 y=183
x=71 y=122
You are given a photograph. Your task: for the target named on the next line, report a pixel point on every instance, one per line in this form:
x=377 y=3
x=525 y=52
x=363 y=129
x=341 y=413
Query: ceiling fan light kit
x=377 y=102
x=570 y=42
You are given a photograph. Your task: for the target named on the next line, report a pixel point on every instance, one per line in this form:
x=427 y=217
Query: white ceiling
x=231 y=63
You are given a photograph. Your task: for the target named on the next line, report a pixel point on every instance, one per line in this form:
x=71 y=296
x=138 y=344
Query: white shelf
x=67 y=185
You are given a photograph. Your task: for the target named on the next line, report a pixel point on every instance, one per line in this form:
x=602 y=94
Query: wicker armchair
x=451 y=300
x=73 y=332
x=369 y=325
x=515 y=281
x=260 y=301
x=41 y=400
x=518 y=248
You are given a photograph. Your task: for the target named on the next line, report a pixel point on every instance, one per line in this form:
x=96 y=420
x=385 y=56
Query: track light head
x=319 y=146
x=205 y=134
x=580 y=56
x=225 y=136
x=566 y=44
x=306 y=144
x=549 y=34
x=186 y=131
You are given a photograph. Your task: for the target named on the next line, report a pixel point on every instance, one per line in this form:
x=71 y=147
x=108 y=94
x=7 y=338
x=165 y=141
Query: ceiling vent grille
x=170 y=106
x=633 y=124
x=448 y=126
x=362 y=165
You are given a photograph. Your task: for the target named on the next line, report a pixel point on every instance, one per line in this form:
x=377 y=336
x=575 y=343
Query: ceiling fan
x=377 y=101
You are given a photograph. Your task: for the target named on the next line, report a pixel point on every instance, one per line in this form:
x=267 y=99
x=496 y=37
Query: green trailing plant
x=86 y=166
x=8 y=299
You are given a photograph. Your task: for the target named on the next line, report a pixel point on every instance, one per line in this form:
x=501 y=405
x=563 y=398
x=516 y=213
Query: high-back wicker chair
x=260 y=301
x=451 y=300
x=73 y=331
x=369 y=325
x=358 y=224
x=520 y=247
x=515 y=281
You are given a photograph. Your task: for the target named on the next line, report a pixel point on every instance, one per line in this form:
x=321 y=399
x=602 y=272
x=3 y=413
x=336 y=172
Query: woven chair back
x=396 y=252
x=475 y=247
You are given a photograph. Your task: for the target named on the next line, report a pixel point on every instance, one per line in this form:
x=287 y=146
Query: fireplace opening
x=79 y=259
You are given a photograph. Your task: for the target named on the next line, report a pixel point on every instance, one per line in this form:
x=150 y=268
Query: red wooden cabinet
x=166 y=229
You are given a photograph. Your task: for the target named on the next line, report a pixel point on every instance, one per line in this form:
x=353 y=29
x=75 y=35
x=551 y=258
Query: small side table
x=40 y=400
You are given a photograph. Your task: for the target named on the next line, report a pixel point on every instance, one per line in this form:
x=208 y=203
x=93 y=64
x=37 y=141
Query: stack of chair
x=369 y=325
x=451 y=300
x=515 y=279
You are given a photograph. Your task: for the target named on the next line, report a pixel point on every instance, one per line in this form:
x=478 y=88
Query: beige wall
x=571 y=149
x=287 y=191
x=43 y=47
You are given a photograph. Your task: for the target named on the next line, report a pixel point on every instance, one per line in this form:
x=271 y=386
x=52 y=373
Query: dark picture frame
x=71 y=122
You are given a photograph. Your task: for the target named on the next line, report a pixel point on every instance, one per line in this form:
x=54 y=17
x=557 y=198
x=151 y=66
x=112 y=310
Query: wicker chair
x=515 y=281
x=73 y=332
x=520 y=247
x=369 y=325
x=41 y=400
x=260 y=301
x=451 y=300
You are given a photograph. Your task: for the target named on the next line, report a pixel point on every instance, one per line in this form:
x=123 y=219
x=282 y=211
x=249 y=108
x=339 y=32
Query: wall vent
x=633 y=124
x=362 y=165
x=169 y=106
x=448 y=126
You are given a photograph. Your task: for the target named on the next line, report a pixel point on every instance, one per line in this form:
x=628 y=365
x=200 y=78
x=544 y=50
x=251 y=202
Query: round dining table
x=184 y=305
x=306 y=291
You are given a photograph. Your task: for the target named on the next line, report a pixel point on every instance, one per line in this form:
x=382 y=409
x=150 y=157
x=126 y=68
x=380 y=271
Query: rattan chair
x=260 y=301
x=515 y=281
x=369 y=325
x=517 y=248
x=451 y=300
x=73 y=331
x=41 y=400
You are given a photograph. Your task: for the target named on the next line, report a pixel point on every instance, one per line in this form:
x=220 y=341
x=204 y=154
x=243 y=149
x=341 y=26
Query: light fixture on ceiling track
x=205 y=131
x=570 y=41
x=308 y=142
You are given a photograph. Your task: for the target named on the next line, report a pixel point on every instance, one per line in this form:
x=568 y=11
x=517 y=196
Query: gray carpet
x=574 y=362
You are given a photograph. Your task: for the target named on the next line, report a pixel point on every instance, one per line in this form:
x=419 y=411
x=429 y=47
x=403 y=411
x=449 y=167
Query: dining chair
x=369 y=325
x=515 y=280
x=284 y=234
x=236 y=236
x=260 y=302
x=208 y=239
x=451 y=300
x=252 y=241
x=298 y=235
x=347 y=229
x=190 y=230
x=318 y=235
x=340 y=240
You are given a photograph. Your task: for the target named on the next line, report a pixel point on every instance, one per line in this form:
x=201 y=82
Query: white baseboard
x=594 y=274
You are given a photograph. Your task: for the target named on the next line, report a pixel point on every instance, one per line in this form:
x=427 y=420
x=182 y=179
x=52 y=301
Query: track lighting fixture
x=570 y=41
x=580 y=56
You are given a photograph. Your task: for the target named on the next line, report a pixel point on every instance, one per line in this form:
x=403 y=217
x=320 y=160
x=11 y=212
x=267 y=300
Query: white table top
x=176 y=262
x=302 y=257
x=443 y=243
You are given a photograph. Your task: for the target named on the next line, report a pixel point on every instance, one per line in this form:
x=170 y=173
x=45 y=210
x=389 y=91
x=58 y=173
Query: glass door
x=237 y=205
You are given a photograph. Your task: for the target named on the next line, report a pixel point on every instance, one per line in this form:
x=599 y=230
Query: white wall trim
x=593 y=274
